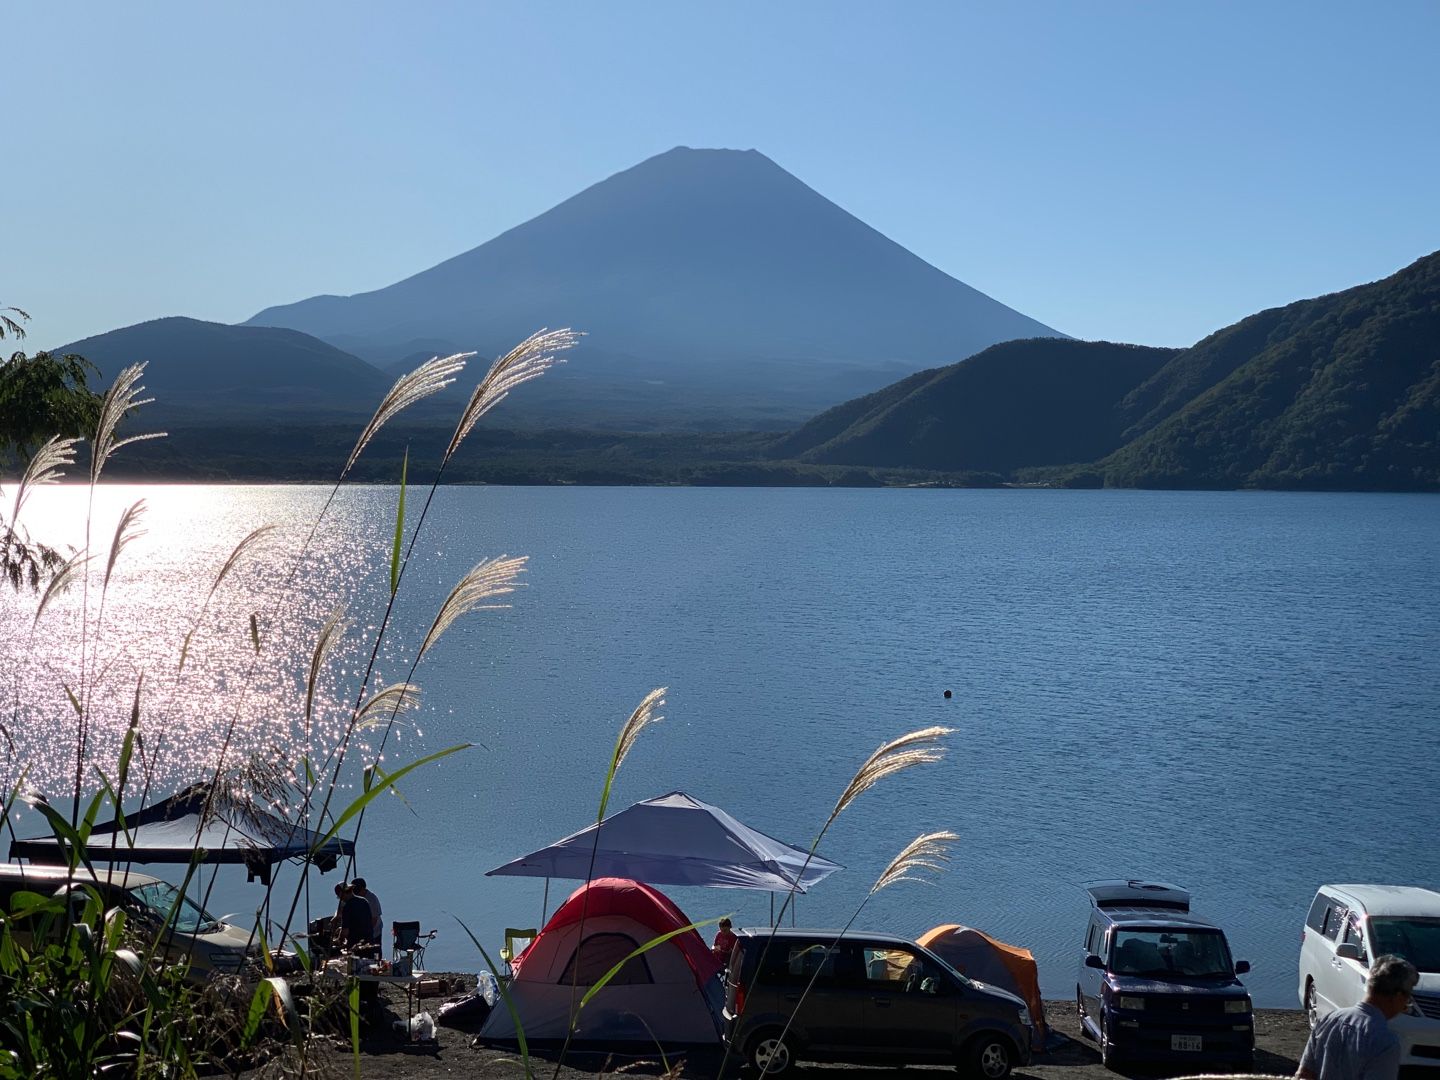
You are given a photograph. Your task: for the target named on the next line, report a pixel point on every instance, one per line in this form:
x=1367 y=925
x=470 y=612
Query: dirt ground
x=385 y=1055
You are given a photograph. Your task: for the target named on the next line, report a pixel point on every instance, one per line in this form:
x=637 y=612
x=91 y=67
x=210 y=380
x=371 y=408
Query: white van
x=1348 y=926
x=212 y=946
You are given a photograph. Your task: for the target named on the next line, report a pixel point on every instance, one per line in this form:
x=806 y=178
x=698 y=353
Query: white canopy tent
x=676 y=840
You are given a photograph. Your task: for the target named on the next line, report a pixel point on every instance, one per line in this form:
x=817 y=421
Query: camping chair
x=407 y=946
x=509 y=952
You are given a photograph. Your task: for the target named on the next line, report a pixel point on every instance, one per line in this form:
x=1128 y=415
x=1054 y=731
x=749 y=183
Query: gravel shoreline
x=384 y=1055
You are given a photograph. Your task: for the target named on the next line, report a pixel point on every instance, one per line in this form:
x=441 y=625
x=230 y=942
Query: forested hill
x=1342 y=391
x=209 y=368
x=1338 y=392
x=1042 y=401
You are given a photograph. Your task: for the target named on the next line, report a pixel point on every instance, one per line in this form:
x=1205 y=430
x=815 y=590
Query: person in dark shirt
x=377 y=921
x=355 y=919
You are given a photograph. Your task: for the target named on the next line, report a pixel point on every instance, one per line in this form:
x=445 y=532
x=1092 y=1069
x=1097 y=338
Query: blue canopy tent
x=676 y=840
x=226 y=831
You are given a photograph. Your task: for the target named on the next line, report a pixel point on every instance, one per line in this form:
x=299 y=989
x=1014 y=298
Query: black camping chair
x=408 y=943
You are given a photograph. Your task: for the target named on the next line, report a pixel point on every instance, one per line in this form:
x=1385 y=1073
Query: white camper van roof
x=1143 y=894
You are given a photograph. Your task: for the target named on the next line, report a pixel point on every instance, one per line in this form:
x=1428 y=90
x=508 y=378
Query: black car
x=804 y=995
x=1157 y=984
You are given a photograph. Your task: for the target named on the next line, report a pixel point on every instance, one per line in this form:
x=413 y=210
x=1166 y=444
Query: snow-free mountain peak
x=712 y=283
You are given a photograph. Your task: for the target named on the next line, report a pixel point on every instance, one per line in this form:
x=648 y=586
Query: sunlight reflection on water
x=135 y=630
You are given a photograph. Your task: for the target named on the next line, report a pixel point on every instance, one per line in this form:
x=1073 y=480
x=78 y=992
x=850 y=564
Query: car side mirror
x=1242 y=967
x=1347 y=950
x=1093 y=961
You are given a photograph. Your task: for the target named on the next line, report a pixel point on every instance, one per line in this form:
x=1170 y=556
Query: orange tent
x=978 y=956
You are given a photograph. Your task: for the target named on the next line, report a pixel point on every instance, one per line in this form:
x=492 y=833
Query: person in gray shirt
x=1357 y=1043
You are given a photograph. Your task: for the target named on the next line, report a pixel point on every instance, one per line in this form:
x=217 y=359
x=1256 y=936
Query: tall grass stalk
x=645 y=714
x=122 y=398
x=429 y=378
x=528 y=360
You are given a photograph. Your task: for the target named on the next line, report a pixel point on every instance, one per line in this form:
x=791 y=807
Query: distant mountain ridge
x=1017 y=404
x=713 y=285
x=1342 y=391
x=1338 y=392
x=215 y=368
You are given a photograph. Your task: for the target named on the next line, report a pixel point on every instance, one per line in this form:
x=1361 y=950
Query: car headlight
x=1237 y=1005
x=1413 y=1010
x=1025 y=1020
x=225 y=962
x=1129 y=1001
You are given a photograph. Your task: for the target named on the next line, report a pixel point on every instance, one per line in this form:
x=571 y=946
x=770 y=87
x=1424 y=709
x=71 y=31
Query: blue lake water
x=1237 y=692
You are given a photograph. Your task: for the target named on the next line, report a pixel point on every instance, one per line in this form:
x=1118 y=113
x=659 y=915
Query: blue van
x=1157 y=984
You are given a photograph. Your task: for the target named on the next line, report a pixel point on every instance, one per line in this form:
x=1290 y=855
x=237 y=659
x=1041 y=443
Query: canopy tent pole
x=545 y=903
x=772 y=909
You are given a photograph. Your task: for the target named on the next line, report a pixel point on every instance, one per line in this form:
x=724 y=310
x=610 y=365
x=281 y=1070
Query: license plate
x=1184 y=1042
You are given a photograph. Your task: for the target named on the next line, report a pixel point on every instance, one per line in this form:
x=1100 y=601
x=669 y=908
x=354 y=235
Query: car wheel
x=1312 y=1010
x=1108 y=1057
x=988 y=1057
x=771 y=1052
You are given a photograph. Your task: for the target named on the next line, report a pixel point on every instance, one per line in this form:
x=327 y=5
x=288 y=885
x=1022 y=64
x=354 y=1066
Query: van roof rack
x=1132 y=892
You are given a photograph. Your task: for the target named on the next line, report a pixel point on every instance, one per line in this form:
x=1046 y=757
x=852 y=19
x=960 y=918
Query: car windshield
x=160 y=898
x=945 y=965
x=1416 y=939
x=1162 y=954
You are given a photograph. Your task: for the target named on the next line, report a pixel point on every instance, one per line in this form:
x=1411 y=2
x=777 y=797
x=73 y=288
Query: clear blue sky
x=1141 y=172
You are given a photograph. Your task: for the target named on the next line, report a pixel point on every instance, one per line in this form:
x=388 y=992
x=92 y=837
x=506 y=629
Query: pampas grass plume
x=429 y=378
x=927 y=852
x=916 y=748
x=126 y=530
x=487 y=580
x=47 y=466
x=397 y=697
x=530 y=359
x=123 y=395
x=644 y=715
x=331 y=631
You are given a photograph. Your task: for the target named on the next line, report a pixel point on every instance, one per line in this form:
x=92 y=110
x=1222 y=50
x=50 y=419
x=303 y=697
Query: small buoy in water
x=947 y=695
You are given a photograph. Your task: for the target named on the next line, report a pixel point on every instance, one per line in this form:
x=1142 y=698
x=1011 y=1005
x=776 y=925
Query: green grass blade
x=259 y=1002
x=505 y=997
x=265 y=953
x=609 y=779
x=355 y=1024
x=109 y=789
x=642 y=950
x=127 y=748
x=399 y=526
x=61 y=830
x=387 y=780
